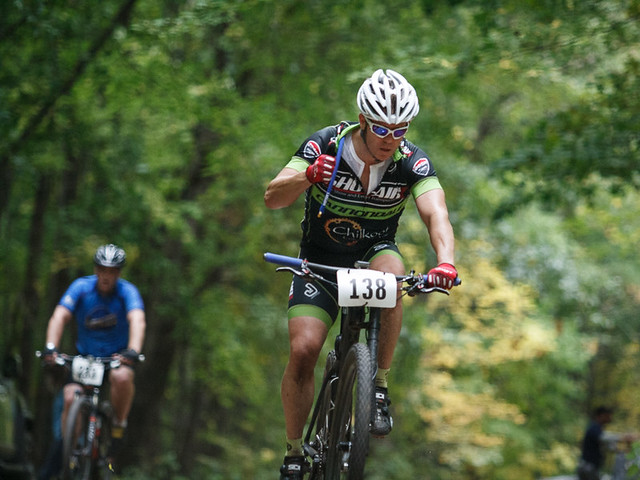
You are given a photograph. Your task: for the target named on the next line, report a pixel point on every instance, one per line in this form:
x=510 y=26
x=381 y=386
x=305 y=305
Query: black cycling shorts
x=311 y=298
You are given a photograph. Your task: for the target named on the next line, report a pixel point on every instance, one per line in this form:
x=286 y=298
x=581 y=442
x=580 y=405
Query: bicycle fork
x=373 y=333
x=94 y=428
x=358 y=321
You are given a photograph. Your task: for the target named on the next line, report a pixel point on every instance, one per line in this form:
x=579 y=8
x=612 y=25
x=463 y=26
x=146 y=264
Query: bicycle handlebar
x=63 y=359
x=299 y=263
x=413 y=280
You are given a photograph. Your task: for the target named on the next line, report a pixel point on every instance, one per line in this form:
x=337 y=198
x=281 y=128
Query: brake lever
x=434 y=289
x=416 y=288
x=299 y=273
x=59 y=360
x=305 y=272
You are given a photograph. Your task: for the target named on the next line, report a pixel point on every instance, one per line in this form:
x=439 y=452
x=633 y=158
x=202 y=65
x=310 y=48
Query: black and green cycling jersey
x=354 y=220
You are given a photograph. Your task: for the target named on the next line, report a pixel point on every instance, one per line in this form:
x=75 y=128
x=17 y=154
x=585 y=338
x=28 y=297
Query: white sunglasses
x=380 y=131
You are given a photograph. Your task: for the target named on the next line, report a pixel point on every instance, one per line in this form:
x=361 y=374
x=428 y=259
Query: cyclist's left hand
x=443 y=276
x=129 y=356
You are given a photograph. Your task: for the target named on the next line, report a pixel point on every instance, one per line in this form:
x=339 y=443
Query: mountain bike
x=87 y=429
x=337 y=436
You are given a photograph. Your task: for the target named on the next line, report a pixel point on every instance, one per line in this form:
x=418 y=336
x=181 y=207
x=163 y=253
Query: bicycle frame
x=97 y=416
x=87 y=436
x=88 y=424
x=353 y=321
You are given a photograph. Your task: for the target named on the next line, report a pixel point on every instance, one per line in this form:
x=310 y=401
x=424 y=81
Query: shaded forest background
x=157 y=124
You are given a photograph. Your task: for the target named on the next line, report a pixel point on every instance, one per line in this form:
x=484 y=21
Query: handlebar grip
x=283 y=260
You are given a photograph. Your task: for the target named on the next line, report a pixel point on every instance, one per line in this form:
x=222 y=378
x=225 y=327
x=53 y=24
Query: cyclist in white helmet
x=378 y=170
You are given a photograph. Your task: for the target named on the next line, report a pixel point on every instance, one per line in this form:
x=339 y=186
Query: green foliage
x=160 y=127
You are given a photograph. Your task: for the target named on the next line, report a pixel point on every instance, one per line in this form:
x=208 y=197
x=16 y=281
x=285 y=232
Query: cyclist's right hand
x=322 y=169
x=49 y=354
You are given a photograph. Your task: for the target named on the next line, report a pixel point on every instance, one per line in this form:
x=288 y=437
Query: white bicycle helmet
x=387 y=97
x=109 y=256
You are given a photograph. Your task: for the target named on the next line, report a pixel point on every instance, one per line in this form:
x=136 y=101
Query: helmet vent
x=388 y=98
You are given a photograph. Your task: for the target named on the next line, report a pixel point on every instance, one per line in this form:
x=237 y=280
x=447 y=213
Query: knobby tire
x=103 y=468
x=323 y=423
x=76 y=452
x=349 y=433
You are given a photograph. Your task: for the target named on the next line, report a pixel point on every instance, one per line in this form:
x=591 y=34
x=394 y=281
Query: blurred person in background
x=597 y=441
x=110 y=320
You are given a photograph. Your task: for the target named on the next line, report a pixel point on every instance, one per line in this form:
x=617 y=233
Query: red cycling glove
x=443 y=276
x=321 y=170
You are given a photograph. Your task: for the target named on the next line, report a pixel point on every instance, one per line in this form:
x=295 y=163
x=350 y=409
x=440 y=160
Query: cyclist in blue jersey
x=110 y=320
x=377 y=173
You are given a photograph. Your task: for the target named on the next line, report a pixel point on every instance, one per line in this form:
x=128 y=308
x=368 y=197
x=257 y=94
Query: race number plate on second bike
x=359 y=287
x=87 y=372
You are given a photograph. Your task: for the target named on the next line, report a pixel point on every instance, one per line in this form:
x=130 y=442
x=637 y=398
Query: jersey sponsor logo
x=422 y=166
x=311 y=150
x=375 y=211
x=346 y=231
x=346 y=183
x=99 y=318
x=388 y=193
x=350 y=186
x=311 y=291
x=343 y=230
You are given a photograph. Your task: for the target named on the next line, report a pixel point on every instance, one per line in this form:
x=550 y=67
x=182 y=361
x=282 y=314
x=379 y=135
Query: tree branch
x=121 y=17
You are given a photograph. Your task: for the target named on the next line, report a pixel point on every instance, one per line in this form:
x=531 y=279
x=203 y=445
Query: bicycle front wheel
x=349 y=434
x=76 y=444
x=102 y=465
x=320 y=428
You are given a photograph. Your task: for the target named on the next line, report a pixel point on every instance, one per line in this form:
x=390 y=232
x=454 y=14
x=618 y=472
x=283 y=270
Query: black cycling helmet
x=109 y=256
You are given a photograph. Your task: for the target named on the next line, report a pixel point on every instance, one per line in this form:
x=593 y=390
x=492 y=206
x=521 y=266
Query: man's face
x=382 y=148
x=604 y=418
x=107 y=278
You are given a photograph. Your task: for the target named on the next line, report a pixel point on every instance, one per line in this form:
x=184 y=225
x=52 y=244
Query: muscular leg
x=69 y=393
x=122 y=392
x=391 y=319
x=306 y=337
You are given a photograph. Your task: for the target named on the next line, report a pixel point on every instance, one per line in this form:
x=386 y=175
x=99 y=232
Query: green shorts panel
x=305 y=310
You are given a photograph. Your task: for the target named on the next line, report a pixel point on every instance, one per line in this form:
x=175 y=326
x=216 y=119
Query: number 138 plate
x=359 y=287
x=87 y=372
